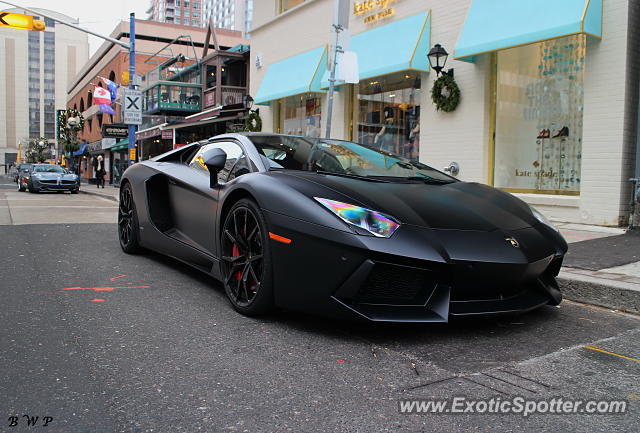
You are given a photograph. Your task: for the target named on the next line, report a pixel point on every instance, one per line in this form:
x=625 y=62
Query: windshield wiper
x=423 y=179
x=352 y=176
x=428 y=179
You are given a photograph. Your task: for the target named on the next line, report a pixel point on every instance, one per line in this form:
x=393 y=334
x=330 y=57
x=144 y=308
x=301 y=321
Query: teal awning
x=122 y=144
x=398 y=46
x=493 y=25
x=293 y=76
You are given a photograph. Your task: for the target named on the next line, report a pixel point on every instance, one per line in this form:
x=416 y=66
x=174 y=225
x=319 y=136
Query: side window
x=241 y=167
x=235 y=166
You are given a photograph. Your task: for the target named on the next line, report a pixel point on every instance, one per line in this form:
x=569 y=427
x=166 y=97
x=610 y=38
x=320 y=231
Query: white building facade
x=549 y=91
x=229 y=14
x=34 y=77
x=182 y=12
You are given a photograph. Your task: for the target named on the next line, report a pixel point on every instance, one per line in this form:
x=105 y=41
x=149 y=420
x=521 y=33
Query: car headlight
x=376 y=223
x=543 y=219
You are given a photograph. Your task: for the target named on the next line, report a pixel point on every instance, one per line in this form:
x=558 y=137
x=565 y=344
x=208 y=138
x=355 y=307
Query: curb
x=616 y=295
x=97 y=194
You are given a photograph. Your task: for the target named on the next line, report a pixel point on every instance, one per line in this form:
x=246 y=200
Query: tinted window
x=236 y=164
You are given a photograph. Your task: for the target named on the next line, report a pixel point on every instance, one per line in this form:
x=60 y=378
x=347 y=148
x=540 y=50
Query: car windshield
x=341 y=158
x=48 y=169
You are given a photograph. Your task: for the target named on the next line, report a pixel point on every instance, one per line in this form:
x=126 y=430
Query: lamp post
x=248 y=102
x=438 y=58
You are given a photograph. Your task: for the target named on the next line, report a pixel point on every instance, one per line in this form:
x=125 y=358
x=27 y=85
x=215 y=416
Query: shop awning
x=293 y=76
x=493 y=25
x=122 y=144
x=399 y=46
x=82 y=150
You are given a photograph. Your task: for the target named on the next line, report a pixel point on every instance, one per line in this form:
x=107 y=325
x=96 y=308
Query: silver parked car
x=49 y=177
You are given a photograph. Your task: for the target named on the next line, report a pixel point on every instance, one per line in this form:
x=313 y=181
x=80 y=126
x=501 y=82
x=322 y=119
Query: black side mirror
x=214 y=159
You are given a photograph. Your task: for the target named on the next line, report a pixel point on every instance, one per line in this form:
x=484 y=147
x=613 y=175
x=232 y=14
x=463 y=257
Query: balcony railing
x=229 y=95
x=172 y=97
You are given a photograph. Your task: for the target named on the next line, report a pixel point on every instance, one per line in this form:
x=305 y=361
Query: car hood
x=457 y=205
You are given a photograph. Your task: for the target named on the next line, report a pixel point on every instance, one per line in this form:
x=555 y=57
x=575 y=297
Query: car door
x=194 y=204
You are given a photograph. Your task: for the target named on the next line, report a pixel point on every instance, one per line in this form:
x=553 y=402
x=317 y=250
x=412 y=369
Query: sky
x=100 y=16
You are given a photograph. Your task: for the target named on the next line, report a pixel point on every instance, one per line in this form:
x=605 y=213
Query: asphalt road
x=105 y=342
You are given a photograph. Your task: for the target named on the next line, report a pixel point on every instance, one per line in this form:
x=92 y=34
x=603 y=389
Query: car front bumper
x=44 y=185
x=417 y=275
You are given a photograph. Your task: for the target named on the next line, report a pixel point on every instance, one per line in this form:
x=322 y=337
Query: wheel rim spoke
x=232 y=259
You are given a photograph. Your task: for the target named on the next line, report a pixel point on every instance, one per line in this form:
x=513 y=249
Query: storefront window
x=301 y=115
x=389 y=113
x=539 y=107
x=285 y=5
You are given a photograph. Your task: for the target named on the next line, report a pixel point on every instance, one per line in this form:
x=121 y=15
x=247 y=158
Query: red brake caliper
x=235 y=252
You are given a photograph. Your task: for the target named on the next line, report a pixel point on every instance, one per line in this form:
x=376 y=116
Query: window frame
x=281 y=9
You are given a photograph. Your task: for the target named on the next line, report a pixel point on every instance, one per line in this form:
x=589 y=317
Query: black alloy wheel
x=246 y=264
x=128 y=222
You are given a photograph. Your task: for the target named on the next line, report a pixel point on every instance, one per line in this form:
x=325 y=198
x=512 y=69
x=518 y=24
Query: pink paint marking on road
x=119 y=276
x=106 y=289
x=97 y=300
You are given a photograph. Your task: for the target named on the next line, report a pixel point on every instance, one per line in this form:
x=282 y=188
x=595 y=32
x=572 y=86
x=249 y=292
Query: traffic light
x=19 y=21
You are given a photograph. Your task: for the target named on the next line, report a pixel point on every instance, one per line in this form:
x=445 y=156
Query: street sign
x=125 y=77
x=19 y=21
x=115 y=130
x=132 y=154
x=132 y=107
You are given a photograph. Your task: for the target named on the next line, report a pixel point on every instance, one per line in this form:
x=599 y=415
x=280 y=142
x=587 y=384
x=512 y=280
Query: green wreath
x=253 y=122
x=446 y=103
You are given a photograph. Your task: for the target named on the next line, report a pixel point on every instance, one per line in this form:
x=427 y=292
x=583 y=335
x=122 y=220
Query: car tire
x=128 y=227
x=246 y=260
x=74 y=191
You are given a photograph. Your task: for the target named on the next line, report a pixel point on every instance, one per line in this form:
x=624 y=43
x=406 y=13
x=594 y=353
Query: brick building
x=111 y=61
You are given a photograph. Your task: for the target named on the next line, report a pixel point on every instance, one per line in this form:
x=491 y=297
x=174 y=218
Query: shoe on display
x=563 y=132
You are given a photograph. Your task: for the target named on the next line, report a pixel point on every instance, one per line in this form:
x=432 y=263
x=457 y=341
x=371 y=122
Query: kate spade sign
x=374 y=9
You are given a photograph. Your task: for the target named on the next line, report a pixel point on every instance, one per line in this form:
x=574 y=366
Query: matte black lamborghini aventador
x=340 y=229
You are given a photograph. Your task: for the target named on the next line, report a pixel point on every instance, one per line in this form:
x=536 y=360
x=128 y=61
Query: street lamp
x=248 y=102
x=438 y=58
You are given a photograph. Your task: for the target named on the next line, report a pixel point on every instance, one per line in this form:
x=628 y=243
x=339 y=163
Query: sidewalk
x=601 y=268
x=110 y=192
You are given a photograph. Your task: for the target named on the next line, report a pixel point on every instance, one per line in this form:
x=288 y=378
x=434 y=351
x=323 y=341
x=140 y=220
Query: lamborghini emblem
x=513 y=242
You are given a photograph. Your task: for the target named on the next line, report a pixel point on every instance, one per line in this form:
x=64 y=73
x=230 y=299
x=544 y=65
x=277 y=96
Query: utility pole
x=332 y=78
x=340 y=23
x=132 y=74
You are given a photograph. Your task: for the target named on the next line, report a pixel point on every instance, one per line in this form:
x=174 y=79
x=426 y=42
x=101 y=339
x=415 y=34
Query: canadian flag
x=101 y=96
